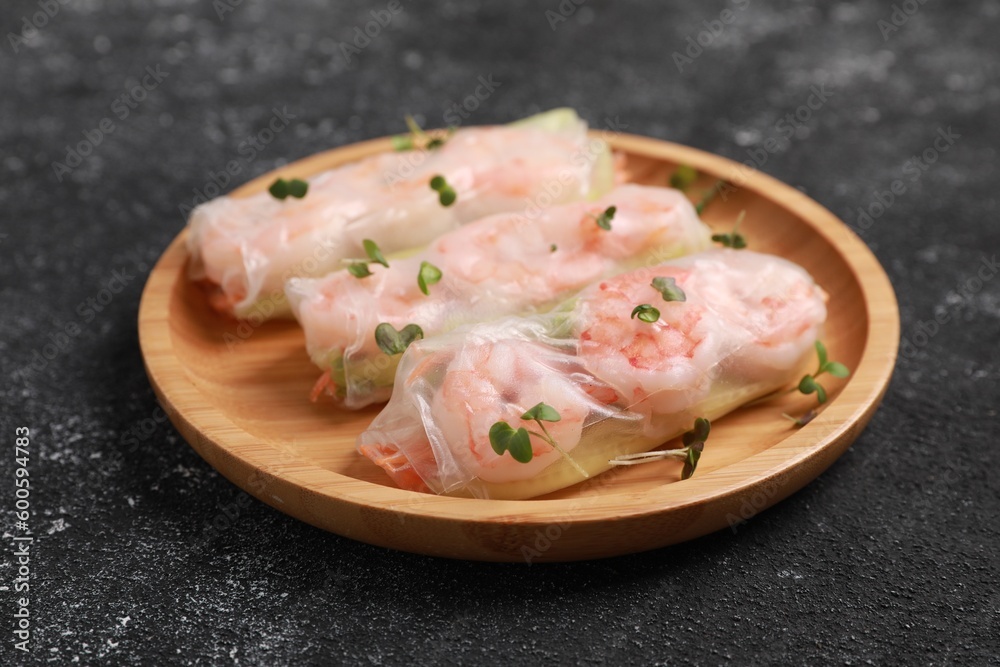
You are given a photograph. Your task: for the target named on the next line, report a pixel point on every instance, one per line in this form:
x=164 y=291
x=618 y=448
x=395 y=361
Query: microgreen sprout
x=418 y=138
x=553 y=247
x=694 y=443
x=394 y=342
x=733 y=239
x=604 y=219
x=505 y=438
x=710 y=195
x=359 y=270
x=374 y=253
x=446 y=193
x=803 y=420
x=359 y=267
x=683 y=177
x=282 y=189
x=645 y=313
x=428 y=275
x=668 y=289
x=808 y=383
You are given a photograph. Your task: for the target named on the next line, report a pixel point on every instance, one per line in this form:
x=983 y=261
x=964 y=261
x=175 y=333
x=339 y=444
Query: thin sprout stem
x=646 y=457
x=549 y=439
x=739 y=219
x=413 y=127
x=709 y=196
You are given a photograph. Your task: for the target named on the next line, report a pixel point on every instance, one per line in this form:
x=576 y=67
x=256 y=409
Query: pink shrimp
x=743 y=325
x=663 y=366
x=500 y=382
x=735 y=299
x=250 y=246
x=499 y=265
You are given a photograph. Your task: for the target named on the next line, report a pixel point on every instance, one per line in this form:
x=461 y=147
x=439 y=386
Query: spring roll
x=619 y=384
x=500 y=265
x=246 y=248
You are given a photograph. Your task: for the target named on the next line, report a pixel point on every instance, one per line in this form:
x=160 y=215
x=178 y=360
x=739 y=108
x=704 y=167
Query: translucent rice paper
x=500 y=265
x=249 y=247
x=620 y=385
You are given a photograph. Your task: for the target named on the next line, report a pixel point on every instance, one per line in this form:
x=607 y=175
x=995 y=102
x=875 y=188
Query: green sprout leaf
x=394 y=342
x=374 y=253
x=446 y=193
x=282 y=189
x=667 y=287
x=403 y=142
x=836 y=369
x=691 y=461
x=553 y=247
x=428 y=275
x=808 y=385
x=694 y=441
x=821 y=353
x=503 y=438
x=733 y=239
x=646 y=313
x=683 y=177
x=702 y=427
x=447 y=197
x=358 y=270
x=543 y=413
x=279 y=189
x=605 y=218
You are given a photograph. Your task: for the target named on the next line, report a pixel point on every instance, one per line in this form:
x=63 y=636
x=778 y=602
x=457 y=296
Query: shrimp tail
x=321 y=385
x=396 y=464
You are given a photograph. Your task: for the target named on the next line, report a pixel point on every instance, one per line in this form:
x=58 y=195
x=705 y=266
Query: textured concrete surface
x=889 y=558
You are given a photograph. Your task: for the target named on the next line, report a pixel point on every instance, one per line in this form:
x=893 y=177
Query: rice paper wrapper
x=619 y=384
x=506 y=264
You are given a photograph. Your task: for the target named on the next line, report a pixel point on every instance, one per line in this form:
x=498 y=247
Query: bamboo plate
x=239 y=394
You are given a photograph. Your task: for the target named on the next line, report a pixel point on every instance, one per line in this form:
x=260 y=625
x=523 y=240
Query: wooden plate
x=239 y=394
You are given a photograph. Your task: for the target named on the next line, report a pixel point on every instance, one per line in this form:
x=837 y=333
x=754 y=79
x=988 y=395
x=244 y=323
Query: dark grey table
x=115 y=115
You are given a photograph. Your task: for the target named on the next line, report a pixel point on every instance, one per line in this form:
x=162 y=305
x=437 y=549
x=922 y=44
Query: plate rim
x=848 y=412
